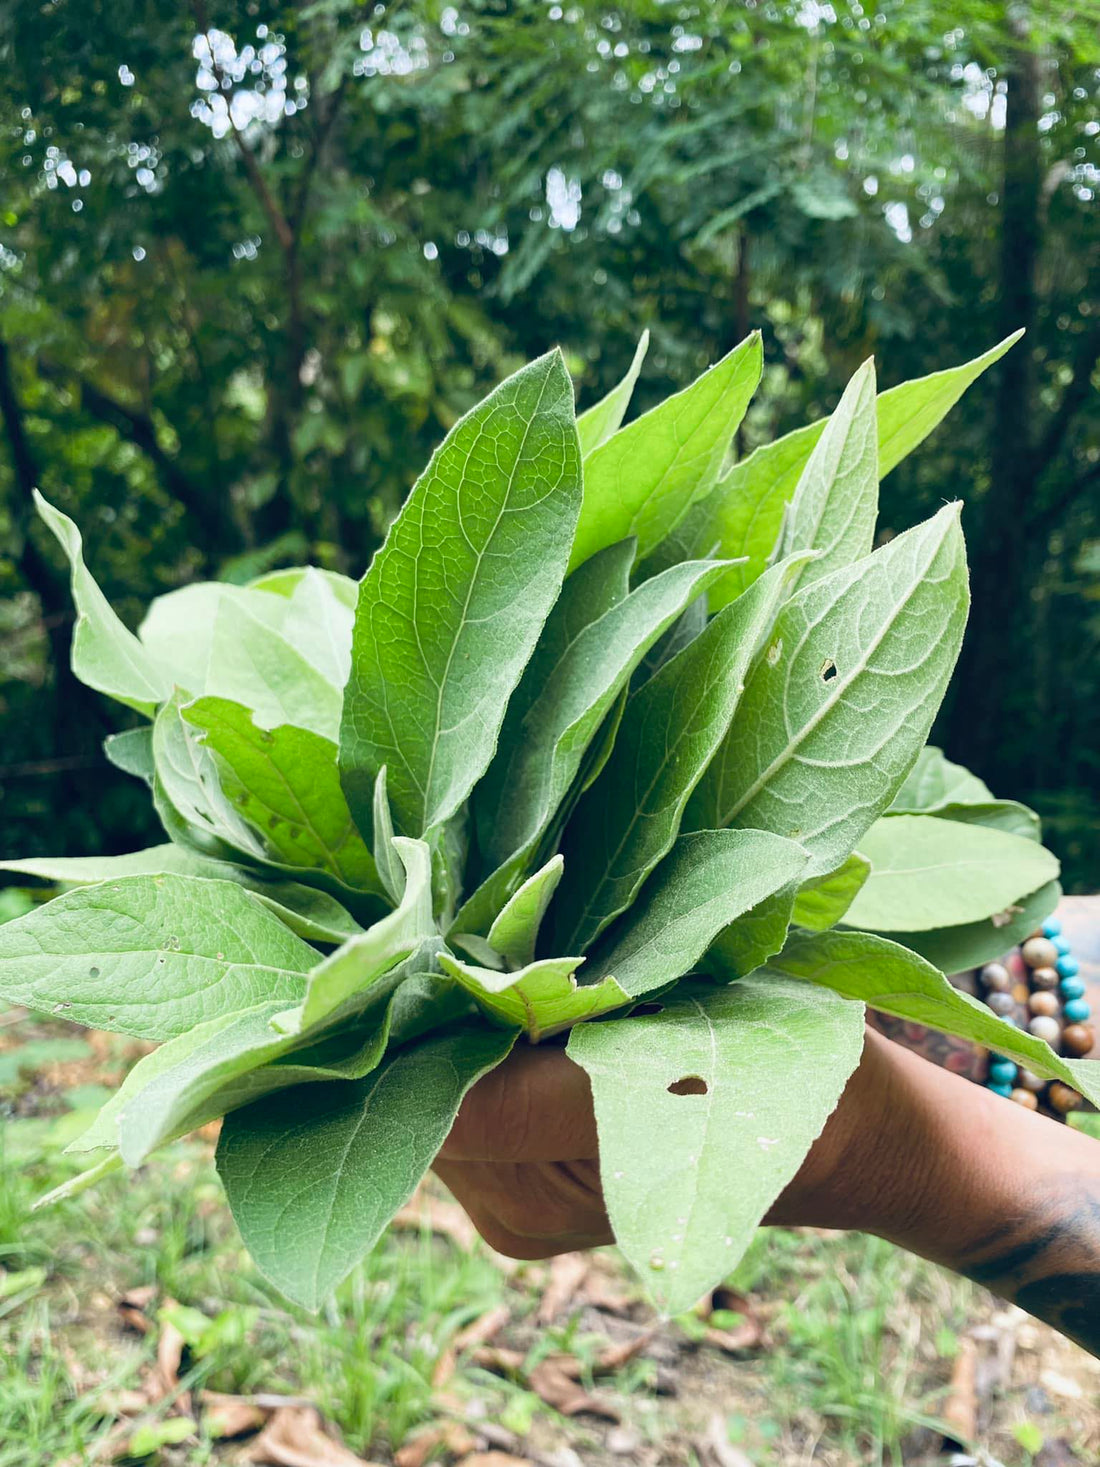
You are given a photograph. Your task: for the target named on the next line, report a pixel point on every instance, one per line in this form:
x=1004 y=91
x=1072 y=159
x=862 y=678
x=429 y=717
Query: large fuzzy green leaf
x=643 y=480
x=253 y=664
x=934 y=781
x=541 y=751
x=597 y=423
x=314 y=915
x=541 y=999
x=705 y=1112
x=861 y=965
x=970 y=945
x=705 y=882
x=844 y=695
x=671 y=729
x=749 y=941
x=285 y=783
x=835 y=502
x=178 y=627
x=105 y=655
x=314 y=1174
x=151 y=955
x=516 y=928
x=927 y=872
x=452 y=604
x=744 y=514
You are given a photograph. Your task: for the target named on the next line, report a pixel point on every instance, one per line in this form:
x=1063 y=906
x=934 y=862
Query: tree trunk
x=1001 y=557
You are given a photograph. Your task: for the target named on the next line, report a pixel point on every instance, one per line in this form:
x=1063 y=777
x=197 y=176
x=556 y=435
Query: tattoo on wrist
x=1048 y=1262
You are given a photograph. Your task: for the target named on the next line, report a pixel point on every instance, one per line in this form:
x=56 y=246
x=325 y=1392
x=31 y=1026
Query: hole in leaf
x=774 y=652
x=647 y=1008
x=93 y=972
x=688 y=1085
x=828 y=670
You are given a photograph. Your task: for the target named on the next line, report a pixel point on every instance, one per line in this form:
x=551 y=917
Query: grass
x=860 y=1338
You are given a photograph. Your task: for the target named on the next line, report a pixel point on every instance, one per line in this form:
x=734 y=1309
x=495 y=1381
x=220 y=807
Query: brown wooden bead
x=1076 y=1039
x=1062 y=1098
x=1044 y=1003
x=1045 y=977
x=1039 y=952
x=1026 y=1098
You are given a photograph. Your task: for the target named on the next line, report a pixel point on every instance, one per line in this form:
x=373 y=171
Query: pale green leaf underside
x=314 y=915
x=643 y=479
x=314 y=1175
x=927 y=872
x=541 y=999
x=956 y=949
x=934 y=781
x=253 y=664
x=749 y=941
x=687 y=1177
x=706 y=881
x=844 y=695
x=452 y=604
x=516 y=927
x=861 y=965
x=602 y=419
x=105 y=655
x=151 y=955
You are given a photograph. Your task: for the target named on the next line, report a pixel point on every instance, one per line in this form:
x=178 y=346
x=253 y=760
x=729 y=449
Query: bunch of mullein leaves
x=614 y=741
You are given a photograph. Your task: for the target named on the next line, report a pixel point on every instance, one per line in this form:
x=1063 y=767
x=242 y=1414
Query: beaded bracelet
x=1037 y=987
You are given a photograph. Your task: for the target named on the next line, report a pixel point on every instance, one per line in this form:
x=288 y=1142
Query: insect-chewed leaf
x=314 y=915
x=864 y=966
x=516 y=927
x=602 y=419
x=314 y=1175
x=823 y=900
x=744 y=514
x=452 y=605
x=706 y=881
x=705 y=1112
x=642 y=480
x=972 y=944
x=105 y=654
x=835 y=502
x=671 y=728
x=542 y=998
x=365 y=958
x=843 y=696
x=151 y=956
x=286 y=784
x=928 y=872
x=541 y=751
x=934 y=782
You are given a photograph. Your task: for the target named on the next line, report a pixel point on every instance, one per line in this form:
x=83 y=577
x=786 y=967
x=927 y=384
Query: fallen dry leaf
x=133 y=1306
x=478 y=1332
x=125 y=1403
x=960 y=1411
x=224 y=1415
x=567 y=1272
x=716 y=1449
x=439 y=1216
x=614 y=1357
x=451 y=1435
x=495 y=1459
x=164 y=1379
x=554 y=1380
x=498 y=1359
x=294 y=1437
x=746 y=1335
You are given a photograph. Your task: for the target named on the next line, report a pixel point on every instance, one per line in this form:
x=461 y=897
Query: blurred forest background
x=256 y=258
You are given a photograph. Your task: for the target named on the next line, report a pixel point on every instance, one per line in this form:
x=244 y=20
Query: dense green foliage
x=541 y=734
x=230 y=347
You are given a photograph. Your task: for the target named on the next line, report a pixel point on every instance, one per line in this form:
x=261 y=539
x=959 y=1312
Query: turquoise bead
x=1003 y=1072
x=1072 y=988
x=1061 y=944
x=1068 y=967
x=1005 y=1090
x=1051 y=927
x=1076 y=1011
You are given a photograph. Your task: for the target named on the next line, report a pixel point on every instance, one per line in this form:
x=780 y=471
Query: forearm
x=966 y=1179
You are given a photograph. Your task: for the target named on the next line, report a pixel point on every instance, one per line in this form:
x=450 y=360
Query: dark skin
x=912 y=1153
